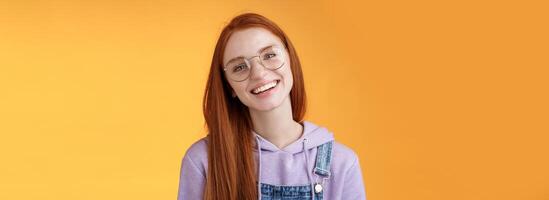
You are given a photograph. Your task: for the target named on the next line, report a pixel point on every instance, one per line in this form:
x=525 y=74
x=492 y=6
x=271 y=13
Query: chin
x=269 y=105
x=265 y=106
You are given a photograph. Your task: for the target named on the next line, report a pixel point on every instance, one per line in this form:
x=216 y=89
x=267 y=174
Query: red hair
x=231 y=170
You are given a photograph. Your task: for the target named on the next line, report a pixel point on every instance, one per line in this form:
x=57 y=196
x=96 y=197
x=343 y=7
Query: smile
x=265 y=87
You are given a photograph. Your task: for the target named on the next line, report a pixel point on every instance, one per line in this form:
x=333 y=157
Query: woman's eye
x=239 y=68
x=270 y=55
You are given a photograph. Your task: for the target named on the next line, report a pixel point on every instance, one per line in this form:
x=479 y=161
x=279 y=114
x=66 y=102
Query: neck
x=277 y=125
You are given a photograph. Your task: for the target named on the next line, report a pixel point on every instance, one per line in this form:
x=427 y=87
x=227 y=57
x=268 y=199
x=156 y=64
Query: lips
x=264 y=87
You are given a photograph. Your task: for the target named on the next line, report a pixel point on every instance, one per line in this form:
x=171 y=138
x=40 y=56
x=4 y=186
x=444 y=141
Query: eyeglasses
x=239 y=68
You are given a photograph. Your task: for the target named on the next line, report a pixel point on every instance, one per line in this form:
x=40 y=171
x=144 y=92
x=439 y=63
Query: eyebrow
x=240 y=57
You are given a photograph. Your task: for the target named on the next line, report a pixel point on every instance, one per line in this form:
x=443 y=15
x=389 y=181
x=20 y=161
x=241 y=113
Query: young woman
x=258 y=145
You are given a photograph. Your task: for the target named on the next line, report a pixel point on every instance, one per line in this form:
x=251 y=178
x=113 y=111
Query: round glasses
x=239 y=68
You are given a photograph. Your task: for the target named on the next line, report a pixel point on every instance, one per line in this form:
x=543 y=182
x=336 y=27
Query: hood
x=312 y=137
x=313 y=134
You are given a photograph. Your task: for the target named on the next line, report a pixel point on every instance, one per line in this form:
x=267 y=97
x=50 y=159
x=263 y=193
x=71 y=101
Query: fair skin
x=271 y=114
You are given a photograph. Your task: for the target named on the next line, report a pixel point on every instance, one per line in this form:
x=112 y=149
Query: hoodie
x=290 y=166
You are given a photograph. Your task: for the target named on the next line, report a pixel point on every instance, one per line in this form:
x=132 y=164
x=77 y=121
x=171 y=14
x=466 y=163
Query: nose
x=257 y=70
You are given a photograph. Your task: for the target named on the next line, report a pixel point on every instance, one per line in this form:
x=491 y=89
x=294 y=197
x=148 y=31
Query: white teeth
x=265 y=87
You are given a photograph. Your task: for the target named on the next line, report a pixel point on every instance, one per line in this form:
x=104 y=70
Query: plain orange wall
x=440 y=99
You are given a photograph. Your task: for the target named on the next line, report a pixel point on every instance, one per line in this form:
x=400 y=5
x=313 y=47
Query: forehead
x=248 y=41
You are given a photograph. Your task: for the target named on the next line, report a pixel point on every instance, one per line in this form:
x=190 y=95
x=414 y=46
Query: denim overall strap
x=323 y=159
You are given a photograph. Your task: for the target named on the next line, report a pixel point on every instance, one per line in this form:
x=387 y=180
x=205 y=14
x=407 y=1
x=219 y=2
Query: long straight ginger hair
x=231 y=170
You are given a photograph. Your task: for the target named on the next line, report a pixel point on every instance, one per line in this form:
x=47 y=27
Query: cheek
x=240 y=88
x=288 y=78
x=237 y=87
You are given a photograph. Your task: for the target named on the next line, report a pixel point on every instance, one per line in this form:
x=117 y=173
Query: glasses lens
x=272 y=58
x=238 y=70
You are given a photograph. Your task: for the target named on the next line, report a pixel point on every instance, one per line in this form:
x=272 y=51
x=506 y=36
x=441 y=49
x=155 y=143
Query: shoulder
x=343 y=158
x=198 y=148
x=197 y=154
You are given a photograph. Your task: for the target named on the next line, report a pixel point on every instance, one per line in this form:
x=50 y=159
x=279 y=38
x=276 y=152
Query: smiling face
x=248 y=43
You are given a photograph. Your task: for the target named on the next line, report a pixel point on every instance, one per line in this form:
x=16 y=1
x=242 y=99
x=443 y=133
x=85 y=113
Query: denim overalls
x=303 y=192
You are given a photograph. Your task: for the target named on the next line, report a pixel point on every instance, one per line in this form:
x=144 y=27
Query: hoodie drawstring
x=258 y=168
x=307 y=167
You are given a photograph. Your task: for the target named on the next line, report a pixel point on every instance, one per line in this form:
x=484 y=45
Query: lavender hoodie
x=287 y=166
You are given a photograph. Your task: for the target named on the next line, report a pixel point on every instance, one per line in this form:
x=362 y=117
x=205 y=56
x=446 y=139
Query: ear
x=233 y=94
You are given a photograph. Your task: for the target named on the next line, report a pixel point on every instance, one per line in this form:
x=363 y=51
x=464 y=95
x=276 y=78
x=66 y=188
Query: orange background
x=440 y=99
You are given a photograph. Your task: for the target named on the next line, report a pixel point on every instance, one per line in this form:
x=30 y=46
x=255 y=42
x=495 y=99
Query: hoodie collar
x=315 y=135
